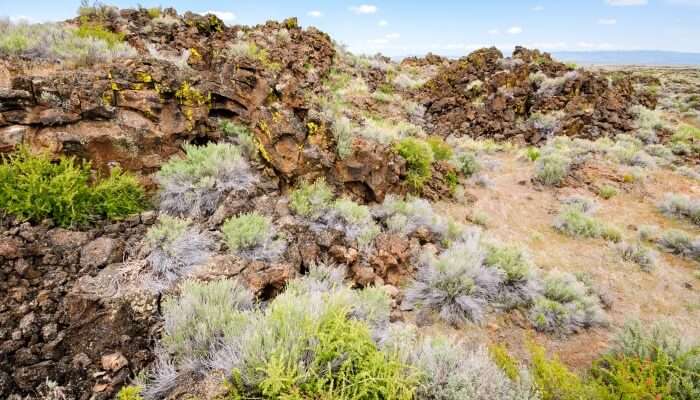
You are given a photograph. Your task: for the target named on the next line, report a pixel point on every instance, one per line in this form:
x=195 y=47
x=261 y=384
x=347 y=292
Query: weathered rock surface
x=489 y=96
x=55 y=322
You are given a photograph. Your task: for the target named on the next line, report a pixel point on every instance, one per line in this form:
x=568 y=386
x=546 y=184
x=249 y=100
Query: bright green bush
x=419 y=157
x=118 y=195
x=33 y=188
x=556 y=381
x=649 y=363
x=246 y=230
x=98 y=32
x=441 y=150
x=309 y=199
x=129 y=393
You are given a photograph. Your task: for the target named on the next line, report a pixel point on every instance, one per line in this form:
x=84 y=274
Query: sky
x=452 y=28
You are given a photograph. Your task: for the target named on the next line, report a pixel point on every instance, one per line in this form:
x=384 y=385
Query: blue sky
x=448 y=27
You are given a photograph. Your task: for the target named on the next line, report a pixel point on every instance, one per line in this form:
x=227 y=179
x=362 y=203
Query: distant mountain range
x=642 y=57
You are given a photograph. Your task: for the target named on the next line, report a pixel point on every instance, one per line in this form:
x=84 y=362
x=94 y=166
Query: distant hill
x=643 y=57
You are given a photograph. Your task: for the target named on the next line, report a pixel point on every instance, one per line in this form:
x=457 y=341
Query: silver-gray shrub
x=679 y=242
x=53 y=41
x=195 y=185
x=196 y=324
x=176 y=248
x=413 y=213
x=456 y=284
x=682 y=206
x=450 y=371
x=566 y=305
x=639 y=254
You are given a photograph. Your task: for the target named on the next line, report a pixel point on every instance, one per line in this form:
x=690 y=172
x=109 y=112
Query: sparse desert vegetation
x=195 y=209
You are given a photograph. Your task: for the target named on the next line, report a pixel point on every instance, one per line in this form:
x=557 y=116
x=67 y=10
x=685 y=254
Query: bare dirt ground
x=521 y=212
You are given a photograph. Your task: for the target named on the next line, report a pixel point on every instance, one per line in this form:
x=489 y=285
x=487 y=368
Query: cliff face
x=190 y=71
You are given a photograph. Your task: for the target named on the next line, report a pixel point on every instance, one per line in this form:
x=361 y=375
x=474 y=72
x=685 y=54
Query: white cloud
x=393 y=35
x=22 y=19
x=494 y=32
x=624 y=3
x=514 y=30
x=315 y=14
x=684 y=2
x=538 y=8
x=607 y=21
x=364 y=9
x=383 y=23
x=225 y=16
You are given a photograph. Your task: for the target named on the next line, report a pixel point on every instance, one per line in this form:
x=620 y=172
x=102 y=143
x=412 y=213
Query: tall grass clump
x=552 y=168
x=193 y=186
x=85 y=45
x=33 y=188
x=681 y=206
x=176 y=248
x=253 y=235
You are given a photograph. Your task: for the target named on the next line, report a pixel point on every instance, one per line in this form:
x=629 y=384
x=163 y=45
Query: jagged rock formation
x=529 y=96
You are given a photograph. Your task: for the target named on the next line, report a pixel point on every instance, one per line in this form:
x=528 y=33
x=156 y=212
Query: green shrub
x=313 y=341
x=154 y=12
x=308 y=199
x=573 y=221
x=532 y=153
x=556 y=382
x=649 y=363
x=33 y=188
x=118 y=195
x=98 y=32
x=441 y=150
x=468 y=163
x=607 y=191
x=679 y=242
x=551 y=169
x=246 y=231
x=510 y=260
x=86 y=45
x=419 y=157
x=129 y=393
